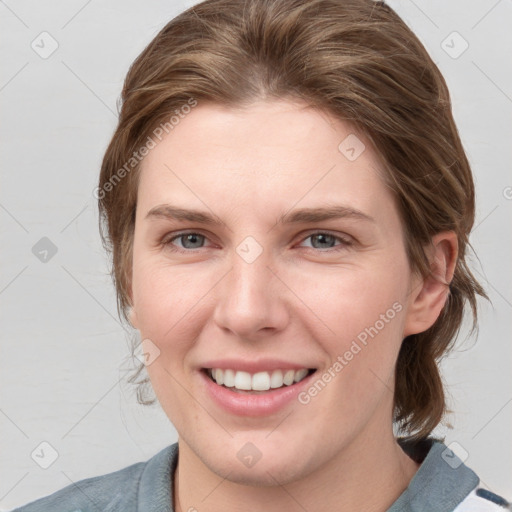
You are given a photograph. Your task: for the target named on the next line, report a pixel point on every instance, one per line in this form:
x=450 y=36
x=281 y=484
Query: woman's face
x=264 y=287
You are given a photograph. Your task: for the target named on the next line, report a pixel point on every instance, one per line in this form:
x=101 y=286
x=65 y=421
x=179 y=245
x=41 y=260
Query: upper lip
x=255 y=366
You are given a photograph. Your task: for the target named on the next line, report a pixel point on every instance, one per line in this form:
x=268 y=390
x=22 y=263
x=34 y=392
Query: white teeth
x=227 y=375
x=300 y=375
x=288 y=377
x=261 y=381
x=219 y=376
x=276 y=380
x=243 y=381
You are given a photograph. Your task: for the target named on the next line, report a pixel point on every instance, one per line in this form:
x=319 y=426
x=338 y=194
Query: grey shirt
x=441 y=484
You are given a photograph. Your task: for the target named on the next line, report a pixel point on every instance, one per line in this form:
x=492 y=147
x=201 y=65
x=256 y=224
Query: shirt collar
x=155 y=486
x=441 y=482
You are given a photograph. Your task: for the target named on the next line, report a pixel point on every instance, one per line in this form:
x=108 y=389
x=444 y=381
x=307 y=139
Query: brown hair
x=355 y=59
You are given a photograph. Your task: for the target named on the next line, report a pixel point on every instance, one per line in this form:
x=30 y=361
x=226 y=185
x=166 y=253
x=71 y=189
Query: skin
x=303 y=299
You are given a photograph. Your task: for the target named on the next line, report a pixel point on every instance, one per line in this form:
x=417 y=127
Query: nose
x=251 y=300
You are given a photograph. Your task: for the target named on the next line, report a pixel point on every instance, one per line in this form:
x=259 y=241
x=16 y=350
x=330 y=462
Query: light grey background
x=64 y=352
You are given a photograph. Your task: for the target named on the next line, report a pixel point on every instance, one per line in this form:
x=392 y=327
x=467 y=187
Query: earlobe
x=431 y=293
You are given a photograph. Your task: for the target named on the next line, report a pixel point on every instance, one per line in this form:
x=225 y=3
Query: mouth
x=264 y=382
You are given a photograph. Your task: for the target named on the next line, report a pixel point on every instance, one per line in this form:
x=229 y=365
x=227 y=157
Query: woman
x=288 y=206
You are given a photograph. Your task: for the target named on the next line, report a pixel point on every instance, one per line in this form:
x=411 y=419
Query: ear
x=429 y=295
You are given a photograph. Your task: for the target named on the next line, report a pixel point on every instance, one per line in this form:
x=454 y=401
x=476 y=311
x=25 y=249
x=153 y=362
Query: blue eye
x=188 y=238
x=327 y=238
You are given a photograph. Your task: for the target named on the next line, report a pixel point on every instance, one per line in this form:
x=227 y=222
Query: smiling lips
x=260 y=381
x=257 y=388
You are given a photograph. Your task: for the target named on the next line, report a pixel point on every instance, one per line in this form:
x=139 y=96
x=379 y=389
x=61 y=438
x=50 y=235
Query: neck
x=369 y=462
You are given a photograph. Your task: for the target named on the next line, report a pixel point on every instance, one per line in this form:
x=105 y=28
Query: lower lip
x=246 y=404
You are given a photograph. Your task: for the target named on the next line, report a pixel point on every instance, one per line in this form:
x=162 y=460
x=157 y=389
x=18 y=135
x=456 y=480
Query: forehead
x=278 y=153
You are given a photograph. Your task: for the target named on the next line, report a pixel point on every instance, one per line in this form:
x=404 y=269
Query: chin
x=262 y=474
x=255 y=461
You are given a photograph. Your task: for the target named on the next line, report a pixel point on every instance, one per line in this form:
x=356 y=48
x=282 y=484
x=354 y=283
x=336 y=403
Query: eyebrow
x=304 y=215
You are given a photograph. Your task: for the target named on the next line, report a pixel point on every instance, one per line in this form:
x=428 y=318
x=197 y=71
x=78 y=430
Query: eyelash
x=345 y=242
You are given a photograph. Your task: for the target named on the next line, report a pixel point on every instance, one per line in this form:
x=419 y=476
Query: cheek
x=357 y=316
x=340 y=303
x=365 y=320
x=168 y=303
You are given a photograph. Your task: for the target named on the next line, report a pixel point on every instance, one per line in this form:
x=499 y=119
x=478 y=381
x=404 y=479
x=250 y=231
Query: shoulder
x=91 y=493
x=119 y=490
x=443 y=482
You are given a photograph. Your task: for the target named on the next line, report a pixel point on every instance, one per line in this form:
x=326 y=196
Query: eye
x=321 y=238
x=190 y=240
